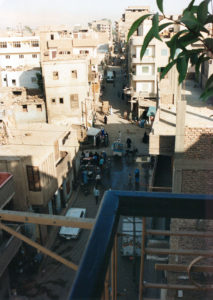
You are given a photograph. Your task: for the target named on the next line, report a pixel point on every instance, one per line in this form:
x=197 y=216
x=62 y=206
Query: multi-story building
x=182 y=132
x=20 y=105
x=103 y=25
x=19 y=61
x=67 y=90
x=143 y=74
x=131 y=14
x=42 y=159
x=9 y=245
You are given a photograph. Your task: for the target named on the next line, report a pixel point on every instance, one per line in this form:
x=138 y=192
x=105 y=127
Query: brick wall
x=197 y=181
x=198 y=143
x=198 y=146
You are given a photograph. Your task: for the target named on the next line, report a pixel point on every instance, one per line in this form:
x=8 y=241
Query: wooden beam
x=142 y=258
x=158 y=251
x=203 y=234
x=116 y=266
x=45 y=219
x=113 y=273
x=106 y=286
x=39 y=247
x=175 y=286
x=183 y=268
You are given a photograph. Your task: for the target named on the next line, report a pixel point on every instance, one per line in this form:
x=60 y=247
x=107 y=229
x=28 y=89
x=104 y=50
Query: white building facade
x=19 y=61
x=67 y=90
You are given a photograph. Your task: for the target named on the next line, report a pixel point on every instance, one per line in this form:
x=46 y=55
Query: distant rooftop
x=198 y=112
x=138 y=8
x=85 y=42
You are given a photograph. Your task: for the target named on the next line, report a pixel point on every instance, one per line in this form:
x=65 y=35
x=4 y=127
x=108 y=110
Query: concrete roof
x=197 y=112
x=85 y=43
x=37 y=134
x=13 y=152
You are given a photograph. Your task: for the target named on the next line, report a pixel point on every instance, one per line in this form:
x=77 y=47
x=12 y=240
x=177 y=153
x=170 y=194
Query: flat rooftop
x=13 y=152
x=37 y=134
x=199 y=114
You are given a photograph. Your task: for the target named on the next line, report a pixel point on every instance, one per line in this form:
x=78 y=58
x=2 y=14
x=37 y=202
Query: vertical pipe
x=116 y=264
x=142 y=259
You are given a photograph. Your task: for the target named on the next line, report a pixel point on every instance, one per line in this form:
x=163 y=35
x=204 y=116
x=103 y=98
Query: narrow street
x=54 y=280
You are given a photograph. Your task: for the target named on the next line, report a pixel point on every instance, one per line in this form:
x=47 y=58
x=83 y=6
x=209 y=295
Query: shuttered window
x=74 y=103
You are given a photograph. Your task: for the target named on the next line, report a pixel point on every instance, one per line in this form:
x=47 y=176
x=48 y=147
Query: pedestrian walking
x=110 y=110
x=98 y=180
x=101 y=163
x=96 y=193
x=105 y=119
x=137 y=178
x=128 y=143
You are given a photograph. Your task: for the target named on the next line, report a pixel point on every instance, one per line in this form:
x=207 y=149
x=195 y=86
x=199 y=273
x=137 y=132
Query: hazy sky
x=70 y=12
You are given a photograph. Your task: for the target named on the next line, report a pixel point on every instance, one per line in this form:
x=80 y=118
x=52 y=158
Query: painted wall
x=33 y=114
x=25 y=79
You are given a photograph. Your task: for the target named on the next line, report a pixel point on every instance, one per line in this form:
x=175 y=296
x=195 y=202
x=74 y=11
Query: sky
x=71 y=12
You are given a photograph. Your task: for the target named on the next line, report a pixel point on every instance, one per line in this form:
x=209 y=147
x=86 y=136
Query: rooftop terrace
x=198 y=113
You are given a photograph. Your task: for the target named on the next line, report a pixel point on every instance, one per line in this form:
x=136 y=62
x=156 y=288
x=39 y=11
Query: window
x=21 y=56
x=39 y=107
x=84 y=52
x=24 y=108
x=33 y=79
x=74 y=101
x=61 y=100
x=3 y=44
x=164 y=52
x=55 y=75
x=17 y=44
x=7 y=56
x=35 y=43
x=53 y=101
x=146 y=87
x=13 y=82
x=33 y=177
x=74 y=73
x=52 y=36
x=64 y=52
x=145 y=69
x=147 y=52
x=34 y=55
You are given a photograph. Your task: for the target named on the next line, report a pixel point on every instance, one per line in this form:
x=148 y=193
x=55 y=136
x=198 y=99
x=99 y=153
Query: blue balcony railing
x=89 y=281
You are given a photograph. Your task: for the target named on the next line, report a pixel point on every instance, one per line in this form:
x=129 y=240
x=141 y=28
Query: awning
x=151 y=111
x=93 y=131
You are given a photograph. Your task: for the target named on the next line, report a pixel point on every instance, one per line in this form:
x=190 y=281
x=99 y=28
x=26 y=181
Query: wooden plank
x=142 y=258
x=203 y=234
x=39 y=247
x=157 y=251
x=45 y=219
x=182 y=268
x=175 y=286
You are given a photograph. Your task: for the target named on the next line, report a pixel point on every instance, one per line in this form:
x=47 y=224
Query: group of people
x=102 y=139
x=92 y=167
